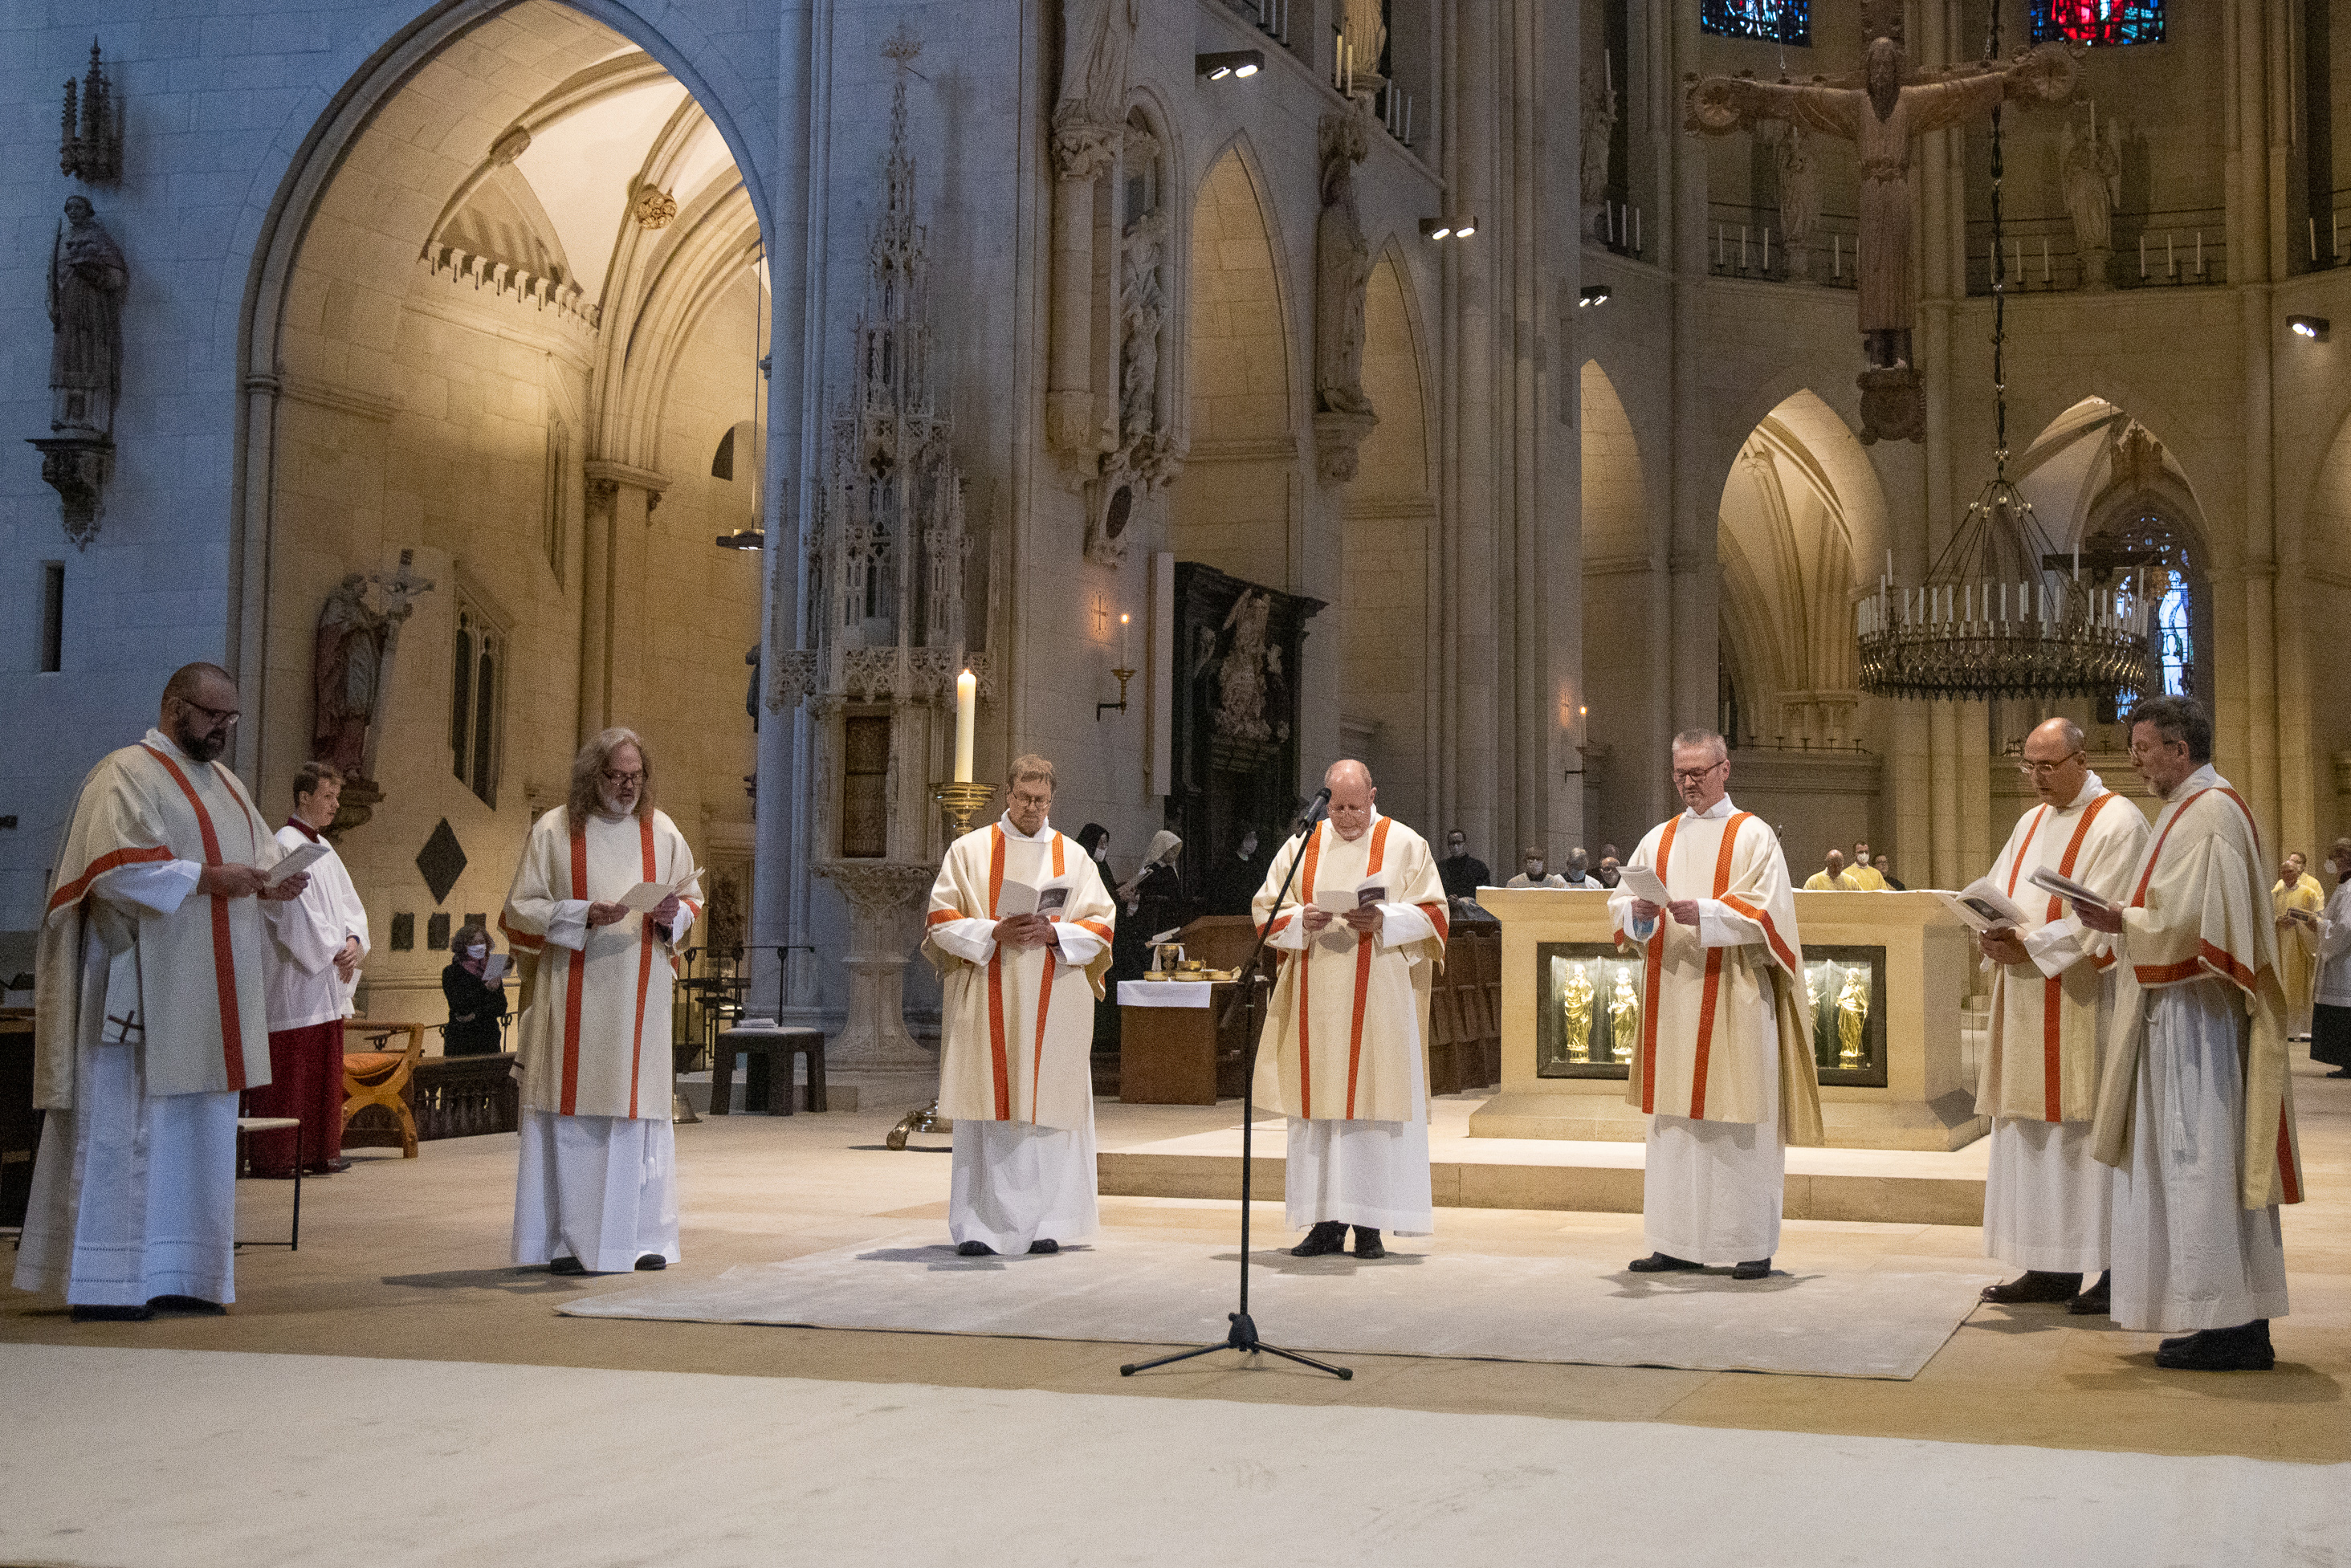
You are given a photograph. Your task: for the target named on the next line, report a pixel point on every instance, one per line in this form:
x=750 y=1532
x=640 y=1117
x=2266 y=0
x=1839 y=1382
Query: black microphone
x=1314 y=813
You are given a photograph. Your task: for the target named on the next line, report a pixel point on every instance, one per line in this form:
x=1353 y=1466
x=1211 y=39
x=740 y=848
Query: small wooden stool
x=768 y=1049
x=276 y=1124
x=381 y=1077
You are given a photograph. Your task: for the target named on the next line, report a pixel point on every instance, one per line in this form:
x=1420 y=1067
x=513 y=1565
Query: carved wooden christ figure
x=1882 y=117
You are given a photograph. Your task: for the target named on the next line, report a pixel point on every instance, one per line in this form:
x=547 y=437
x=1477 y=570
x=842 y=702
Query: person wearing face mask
x=1579 y=871
x=477 y=1009
x=2330 y=1011
x=1532 y=873
x=1462 y=873
x=1236 y=881
x=316 y=940
x=2296 y=894
x=596 y=1188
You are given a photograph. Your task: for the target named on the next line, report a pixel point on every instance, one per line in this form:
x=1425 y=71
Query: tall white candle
x=1124 y=663
x=966 y=710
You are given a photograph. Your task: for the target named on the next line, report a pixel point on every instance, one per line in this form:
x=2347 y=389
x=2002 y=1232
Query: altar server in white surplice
x=1725 y=1063
x=2046 y=1201
x=596 y=1190
x=2195 y=1098
x=318 y=941
x=1340 y=1051
x=151 y=1015
x=1017 y=1022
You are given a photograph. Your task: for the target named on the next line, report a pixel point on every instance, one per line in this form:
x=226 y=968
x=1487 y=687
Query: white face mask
x=478 y=950
x=1102 y=852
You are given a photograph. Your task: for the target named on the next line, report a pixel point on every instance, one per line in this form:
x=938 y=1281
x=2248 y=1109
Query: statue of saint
x=1343 y=266
x=2090 y=167
x=1097 y=37
x=1599 y=124
x=1575 y=1010
x=1800 y=196
x=86 y=279
x=1623 y=1016
x=346 y=676
x=1241 y=674
x=1853 y=1019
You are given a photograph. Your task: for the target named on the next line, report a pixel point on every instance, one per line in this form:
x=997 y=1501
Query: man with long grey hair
x=597 y=1192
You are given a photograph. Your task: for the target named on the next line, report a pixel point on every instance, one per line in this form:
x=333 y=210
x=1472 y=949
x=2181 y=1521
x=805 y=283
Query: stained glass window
x=1774 y=21
x=2175 y=645
x=2097 y=22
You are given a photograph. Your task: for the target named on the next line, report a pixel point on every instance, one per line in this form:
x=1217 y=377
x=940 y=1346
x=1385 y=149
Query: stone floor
x=407 y=1258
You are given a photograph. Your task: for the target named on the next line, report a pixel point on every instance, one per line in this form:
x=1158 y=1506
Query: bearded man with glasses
x=151 y=1017
x=1724 y=1066
x=2047 y=1203
x=596 y=1191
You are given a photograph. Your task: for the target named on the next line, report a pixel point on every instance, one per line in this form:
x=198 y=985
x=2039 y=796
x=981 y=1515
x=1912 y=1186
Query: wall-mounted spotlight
x=1229 y=63
x=1448 y=228
x=2309 y=327
x=1594 y=294
x=742 y=539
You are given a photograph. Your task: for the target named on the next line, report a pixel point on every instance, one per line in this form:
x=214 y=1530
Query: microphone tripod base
x=1242 y=1336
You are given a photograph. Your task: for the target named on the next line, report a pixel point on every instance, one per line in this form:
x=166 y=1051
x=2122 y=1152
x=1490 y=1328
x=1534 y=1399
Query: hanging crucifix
x=1881 y=112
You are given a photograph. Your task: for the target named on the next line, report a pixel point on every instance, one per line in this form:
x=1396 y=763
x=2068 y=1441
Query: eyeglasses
x=613 y=778
x=1695 y=774
x=217 y=716
x=2031 y=769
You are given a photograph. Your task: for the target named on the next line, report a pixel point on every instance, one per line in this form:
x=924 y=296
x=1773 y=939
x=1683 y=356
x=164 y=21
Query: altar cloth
x=1863 y=1323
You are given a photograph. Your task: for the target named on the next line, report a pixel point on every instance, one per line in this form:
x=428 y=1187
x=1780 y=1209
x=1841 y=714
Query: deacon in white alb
x=597 y=1192
x=2046 y=1201
x=1725 y=1063
x=1340 y=1051
x=150 y=1018
x=2195 y=1098
x=317 y=943
x=1016 y=1018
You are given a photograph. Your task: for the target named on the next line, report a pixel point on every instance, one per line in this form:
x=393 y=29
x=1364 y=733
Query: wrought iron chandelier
x=1998 y=613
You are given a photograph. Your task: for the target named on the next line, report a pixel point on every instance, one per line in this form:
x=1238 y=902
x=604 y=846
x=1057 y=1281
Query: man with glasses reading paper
x=1724 y=1067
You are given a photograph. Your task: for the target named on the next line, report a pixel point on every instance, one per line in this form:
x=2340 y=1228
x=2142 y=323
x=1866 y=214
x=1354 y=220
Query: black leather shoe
x=2097 y=1301
x=1368 y=1242
x=190 y=1306
x=2244 y=1348
x=652 y=1261
x=1044 y=1245
x=1755 y=1269
x=2034 y=1285
x=1328 y=1236
x=112 y=1314
x=567 y=1266
x=975 y=1250
x=1663 y=1264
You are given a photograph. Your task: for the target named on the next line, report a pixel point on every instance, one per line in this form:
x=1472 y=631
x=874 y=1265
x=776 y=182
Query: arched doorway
x=503 y=362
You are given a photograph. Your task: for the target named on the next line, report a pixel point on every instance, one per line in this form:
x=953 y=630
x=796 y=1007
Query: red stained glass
x=2097 y=22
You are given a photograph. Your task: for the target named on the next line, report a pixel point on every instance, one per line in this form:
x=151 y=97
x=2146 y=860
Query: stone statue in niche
x=1599 y=126
x=2090 y=167
x=87 y=278
x=1343 y=267
x=1800 y=196
x=352 y=654
x=1142 y=310
x=1090 y=118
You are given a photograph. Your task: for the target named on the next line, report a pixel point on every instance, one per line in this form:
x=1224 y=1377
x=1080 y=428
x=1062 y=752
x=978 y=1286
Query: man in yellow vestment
x=1725 y=1066
x=1359 y=934
x=1019 y=930
x=2195 y=1098
x=151 y=1015
x=597 y=1189
x=1832 y=877
x=2046 y=1201
x=2297 y=941
x=1862 y=874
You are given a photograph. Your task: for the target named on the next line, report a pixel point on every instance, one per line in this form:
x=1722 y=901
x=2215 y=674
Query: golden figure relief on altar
x=1624 y=1015
x=1853 y=1021
x=1575 y=1005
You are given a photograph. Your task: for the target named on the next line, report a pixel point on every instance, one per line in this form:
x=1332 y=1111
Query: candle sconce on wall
x=1123 y=670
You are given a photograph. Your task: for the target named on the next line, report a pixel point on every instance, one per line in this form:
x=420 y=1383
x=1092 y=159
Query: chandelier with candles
x=1999 y=613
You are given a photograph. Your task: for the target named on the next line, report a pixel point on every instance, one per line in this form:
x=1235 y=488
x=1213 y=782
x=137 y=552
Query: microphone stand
x=1242 y=1335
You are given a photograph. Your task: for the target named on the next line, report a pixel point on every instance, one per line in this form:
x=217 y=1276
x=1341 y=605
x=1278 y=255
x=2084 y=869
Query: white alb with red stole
x=595 y=1041
x=2041 y=1061
x=1343 y=1036
x=191 y=985
x=1017 y=1030
x=1713 y=1017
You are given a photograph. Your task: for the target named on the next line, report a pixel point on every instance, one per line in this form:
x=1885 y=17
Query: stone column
x=1069 y=422
x=614 y=605
x=1695 y=489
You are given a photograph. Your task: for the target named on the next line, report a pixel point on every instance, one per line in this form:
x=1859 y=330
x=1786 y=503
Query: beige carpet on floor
x=1125 y=1290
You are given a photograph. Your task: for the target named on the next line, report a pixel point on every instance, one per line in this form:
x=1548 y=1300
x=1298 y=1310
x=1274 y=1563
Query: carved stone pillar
x=1069 y=422
x=614 y=607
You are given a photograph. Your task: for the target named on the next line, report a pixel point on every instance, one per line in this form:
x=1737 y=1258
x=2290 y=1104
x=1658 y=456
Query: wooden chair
x=380 y=1076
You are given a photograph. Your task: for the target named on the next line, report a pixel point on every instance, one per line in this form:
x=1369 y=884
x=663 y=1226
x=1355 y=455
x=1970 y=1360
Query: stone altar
x=1925 y=1103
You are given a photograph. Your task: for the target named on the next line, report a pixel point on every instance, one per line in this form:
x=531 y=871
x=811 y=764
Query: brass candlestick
x=1119 y=706
x=961 y=798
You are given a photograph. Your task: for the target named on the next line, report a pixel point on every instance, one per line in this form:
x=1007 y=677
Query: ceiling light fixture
x=1237 y=63
x=2312 y=326
x=1435 y=228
